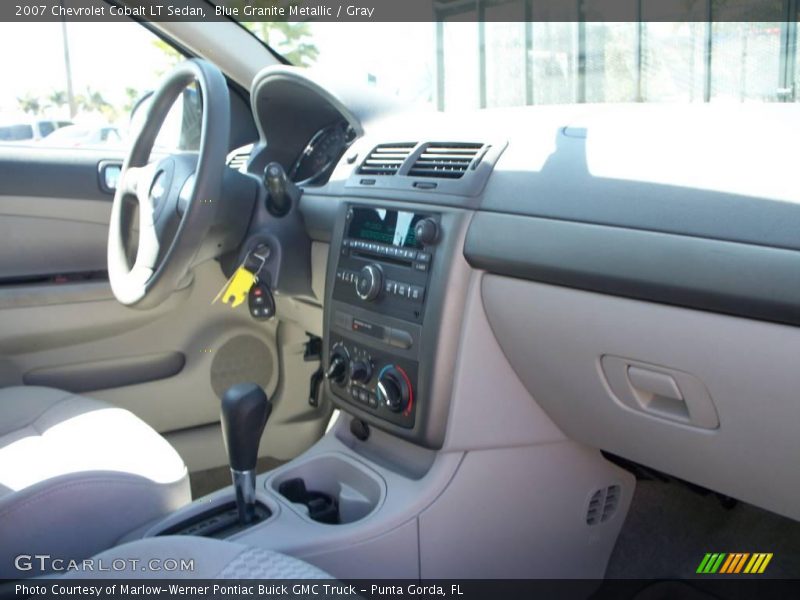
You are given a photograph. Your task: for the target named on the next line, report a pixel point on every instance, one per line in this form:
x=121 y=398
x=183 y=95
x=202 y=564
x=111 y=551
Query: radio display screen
x=390 y=227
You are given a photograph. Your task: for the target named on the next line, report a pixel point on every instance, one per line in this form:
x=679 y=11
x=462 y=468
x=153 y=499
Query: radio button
x=400 y=338
x=416 y=293
x=424 y=257
x=401 y=289
x=420 y=266
x=427 y=231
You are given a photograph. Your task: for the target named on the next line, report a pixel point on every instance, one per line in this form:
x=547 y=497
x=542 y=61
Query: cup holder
x=331 y=489
x=321 y=507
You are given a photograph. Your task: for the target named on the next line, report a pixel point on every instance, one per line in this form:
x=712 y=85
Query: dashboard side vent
x=237 y=160
x=386 y=159
x=448 y=161
x=602 y=505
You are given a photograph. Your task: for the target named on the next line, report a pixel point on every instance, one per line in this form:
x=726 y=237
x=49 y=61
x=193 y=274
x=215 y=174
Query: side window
x=78 y=82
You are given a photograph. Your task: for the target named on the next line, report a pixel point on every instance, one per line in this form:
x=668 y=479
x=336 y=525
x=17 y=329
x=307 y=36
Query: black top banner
x=398 y=10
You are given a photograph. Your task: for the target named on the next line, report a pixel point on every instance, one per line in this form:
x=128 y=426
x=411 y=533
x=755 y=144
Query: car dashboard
x=580 y=232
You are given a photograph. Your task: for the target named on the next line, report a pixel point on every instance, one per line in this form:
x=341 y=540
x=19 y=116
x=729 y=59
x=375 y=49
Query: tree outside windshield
x=66 y=81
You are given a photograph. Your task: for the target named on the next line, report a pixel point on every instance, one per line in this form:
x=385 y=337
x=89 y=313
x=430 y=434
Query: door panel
x=75 y=335
x=53 y=172
x=53 y=214
x=169 y=365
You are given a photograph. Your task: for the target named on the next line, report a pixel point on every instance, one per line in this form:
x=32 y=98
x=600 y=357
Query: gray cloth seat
x=210 y=559
x=77 y=474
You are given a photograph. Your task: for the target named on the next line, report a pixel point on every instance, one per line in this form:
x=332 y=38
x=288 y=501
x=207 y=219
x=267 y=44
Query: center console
x=454 y=436
x=385 y=273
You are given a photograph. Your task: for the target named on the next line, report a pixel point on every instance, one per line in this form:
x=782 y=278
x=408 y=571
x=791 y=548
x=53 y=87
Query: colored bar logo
x=734 y=563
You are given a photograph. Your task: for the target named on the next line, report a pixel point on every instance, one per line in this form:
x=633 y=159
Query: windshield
x=465 y=65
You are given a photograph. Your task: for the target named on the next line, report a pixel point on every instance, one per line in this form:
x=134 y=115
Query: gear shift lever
x=245 y=410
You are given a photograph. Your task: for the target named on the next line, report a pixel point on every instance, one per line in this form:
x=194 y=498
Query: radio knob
x=368 y=284
x=361 y=371
x=426 y=231
x=394 y=389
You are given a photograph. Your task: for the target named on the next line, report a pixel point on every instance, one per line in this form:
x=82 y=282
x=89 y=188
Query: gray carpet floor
x=211 y=480
x=670 y=528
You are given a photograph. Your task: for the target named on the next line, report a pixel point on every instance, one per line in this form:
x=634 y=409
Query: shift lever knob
x=245 y=410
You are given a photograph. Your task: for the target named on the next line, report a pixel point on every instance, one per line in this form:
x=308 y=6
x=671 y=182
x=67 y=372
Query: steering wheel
x=177 y=196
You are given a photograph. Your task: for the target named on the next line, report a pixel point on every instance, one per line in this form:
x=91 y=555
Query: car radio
x=381 y=279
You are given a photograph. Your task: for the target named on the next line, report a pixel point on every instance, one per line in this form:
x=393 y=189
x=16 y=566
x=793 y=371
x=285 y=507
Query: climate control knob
x=337 y=368
x=361 y=371
x=368 y=283
x=394 y=389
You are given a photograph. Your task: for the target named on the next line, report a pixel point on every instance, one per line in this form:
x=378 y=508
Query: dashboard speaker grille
x=386 y=159
x=602 y=505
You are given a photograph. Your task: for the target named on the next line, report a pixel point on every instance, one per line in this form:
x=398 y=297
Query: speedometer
x=322 y=153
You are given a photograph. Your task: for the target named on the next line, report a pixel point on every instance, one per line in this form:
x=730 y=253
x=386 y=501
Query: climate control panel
x=373 y=380
x=383 y=303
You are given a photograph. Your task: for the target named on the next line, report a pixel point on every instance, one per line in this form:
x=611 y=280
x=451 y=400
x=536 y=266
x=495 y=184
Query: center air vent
x=386 y=159
x=448 y=161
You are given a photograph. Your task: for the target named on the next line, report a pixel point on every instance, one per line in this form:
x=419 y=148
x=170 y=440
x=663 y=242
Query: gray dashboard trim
x=713 y=171
x=759 y=282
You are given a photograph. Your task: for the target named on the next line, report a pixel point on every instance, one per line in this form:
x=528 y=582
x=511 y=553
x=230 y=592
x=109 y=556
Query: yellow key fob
x=235 y=290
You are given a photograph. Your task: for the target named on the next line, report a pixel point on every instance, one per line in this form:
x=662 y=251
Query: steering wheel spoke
x=129 y=182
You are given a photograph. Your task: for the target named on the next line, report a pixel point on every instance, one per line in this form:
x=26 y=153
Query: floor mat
x=211 y=480
x=670 y=528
